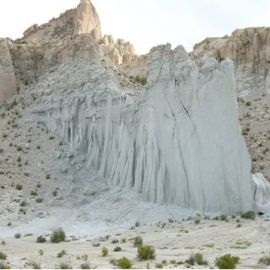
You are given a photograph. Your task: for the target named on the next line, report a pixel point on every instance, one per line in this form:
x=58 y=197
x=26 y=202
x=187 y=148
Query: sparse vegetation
x=248 y=215
x=146 y=252
x=3 y=256
x=58 y=236
x=104 y=251
x=41 y=239
x=124 y=263
x=265 y=260
x=61 y=253
x=117 y=249
x=138 y=241
x=17 y=235
x=227 y=261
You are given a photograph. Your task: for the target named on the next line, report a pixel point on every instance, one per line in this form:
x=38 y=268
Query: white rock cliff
x=179 y=144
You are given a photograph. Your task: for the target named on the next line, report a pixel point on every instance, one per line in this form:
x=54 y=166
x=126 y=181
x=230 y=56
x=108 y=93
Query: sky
x=145 y=23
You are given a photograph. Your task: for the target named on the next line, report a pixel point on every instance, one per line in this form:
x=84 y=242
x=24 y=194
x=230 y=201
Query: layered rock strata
x=179 y=144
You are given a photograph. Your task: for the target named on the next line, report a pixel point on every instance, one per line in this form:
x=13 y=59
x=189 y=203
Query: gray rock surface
x=179 y=144
x=7 y=75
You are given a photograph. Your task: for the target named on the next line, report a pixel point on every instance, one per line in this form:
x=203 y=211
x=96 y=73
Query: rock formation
x=178 y=144
x=87 y=20
x=249 y=48
x=7 y=76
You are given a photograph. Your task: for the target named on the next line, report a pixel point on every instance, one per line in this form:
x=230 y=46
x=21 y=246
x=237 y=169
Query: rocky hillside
x=86 y=119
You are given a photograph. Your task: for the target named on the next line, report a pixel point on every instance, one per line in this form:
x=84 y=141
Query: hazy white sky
x=145 y=23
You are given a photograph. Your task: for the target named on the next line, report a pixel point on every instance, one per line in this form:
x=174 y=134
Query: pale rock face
x=179 y=144
x=249 y=49
x=120 y=51
x=87 y=20
x=262 y=193
x=7 y=75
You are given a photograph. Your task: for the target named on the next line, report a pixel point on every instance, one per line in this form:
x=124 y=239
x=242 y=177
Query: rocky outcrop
x=249 y=49
x=7 y=76
x=82 y=20
x=178 y=144
x=87 y=20
x=119 y=51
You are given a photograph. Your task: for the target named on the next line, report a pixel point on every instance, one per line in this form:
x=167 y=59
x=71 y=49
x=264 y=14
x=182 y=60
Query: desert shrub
x=197 y=220
x=48 y=176
x=104 y=251
x=198 y=258
x=17 y=235
x=19 y=187
x=85 y=266
x=117 y=249
x=265 y=260
x=4 y=265
x=61 y=254
x=54 y=193
x=3 y=256
x=146 y=252
x=33 y=193
x=190 y=260
x=35 y=265
x=41 y=252
x=58 y=236
x=39 y=200
x=159 y=265
x=223 y=217
x=248 y=215
x=64 y=266
x=23 y=203
x=41 y=239
x=227 y=261
x=138 y=241
x=124 y=263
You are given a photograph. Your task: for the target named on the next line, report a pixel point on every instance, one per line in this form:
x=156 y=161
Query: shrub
x=17 y=235
x=58 y=236
x=146 y=252
x=159 y=265
x=61 y=254
x=33 y=193
x=4 y=266
x=248 y=215
x=64 y=266
x=223 y=217
x=265 y=260
x=41 y=239
x=3 y=256
x=48 y=176
x=104 y=251
x=138 y=241
x=124 y=263
x=23 y=203
x=190 y=260
x=117 y=249
x=198 y=258
x=227 y=261
x=39 y=200
x=19 y=187
x=35 y=265
x=85 y=266
x=54 y=193
x=41 y=252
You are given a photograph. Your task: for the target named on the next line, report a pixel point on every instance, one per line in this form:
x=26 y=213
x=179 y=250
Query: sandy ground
x=173 y=242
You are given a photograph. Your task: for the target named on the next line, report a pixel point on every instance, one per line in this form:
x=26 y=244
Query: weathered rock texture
x=120 y=51
x=7 y=75
x=249 y=48
x=87 y=20
x=82 y=20
x=178 y=144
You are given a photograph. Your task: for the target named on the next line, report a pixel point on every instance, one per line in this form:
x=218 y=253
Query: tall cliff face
x=7 y=75
x=249 y=49
x=178 y=144
x=87 y=20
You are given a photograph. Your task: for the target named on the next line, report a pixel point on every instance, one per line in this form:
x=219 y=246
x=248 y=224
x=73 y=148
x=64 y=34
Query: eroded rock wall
x=249 y=48
x=7 y=75
x=179 y=144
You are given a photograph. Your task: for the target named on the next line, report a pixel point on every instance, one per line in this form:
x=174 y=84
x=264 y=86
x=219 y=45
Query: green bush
x=124 y=263
x=190 y=260
x=146 y=252
x=41 y=239
x=198 y=258
x=3 y=256
x=138 y=241
x=117 y=249
x=61 y=254
x=248 y=215
x=4 y=266
x=227 y=261
x=58 y=236
x=85 y=266
x=17 y=235
x=104 y=251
